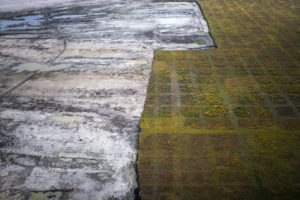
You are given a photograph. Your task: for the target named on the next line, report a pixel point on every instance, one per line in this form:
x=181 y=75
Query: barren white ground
x=73 y=81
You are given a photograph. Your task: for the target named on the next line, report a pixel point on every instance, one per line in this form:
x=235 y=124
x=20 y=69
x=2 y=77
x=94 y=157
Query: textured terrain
x=73 y=85
x=224 y=123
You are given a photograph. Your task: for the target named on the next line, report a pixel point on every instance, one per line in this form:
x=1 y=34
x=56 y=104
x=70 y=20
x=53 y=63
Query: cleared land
x=73 y=83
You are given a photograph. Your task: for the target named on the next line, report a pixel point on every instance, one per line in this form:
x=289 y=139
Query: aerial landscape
x=148 y=99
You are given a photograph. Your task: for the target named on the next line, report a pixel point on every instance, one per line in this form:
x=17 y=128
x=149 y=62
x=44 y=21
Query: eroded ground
x=73 y=85
x=224 y=123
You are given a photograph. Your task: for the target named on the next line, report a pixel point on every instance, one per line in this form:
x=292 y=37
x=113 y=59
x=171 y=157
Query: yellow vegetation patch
x=231 y=130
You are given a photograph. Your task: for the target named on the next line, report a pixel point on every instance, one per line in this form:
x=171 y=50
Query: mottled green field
x=224 y=123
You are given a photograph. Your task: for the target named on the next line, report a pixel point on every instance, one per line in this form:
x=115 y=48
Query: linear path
x=73 y=83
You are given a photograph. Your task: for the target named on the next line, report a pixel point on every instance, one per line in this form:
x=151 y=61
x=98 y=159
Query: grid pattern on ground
x=224 y=123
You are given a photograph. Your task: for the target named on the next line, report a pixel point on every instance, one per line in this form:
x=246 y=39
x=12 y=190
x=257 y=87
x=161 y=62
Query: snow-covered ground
x=16 y=5
x=70 y=128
